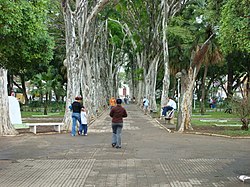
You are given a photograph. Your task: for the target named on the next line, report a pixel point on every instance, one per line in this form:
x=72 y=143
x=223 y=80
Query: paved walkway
x=150 y=156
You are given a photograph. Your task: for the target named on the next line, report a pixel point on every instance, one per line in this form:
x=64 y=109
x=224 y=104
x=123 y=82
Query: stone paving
x=150 y=156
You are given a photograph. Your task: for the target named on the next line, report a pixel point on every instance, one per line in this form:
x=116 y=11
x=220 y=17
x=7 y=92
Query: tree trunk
x=203 y=90
x=151 y=82
x=45 y=112
x=169 y=9
x=10 y=83
x=186 y=103
x=78 y=25
x=24 y=89
x=6 y=128
x=184 y=84
x=166 y=78
x=230 y=78
x=245 y=123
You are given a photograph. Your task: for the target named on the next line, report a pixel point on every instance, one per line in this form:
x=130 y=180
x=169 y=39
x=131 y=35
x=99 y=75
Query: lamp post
x=178 y=77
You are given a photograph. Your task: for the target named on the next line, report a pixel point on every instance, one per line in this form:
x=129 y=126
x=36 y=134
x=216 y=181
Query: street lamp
x=178 y=77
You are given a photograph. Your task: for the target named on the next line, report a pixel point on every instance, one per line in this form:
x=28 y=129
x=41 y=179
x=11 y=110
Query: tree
x=27 y=42
x=46 y=84
x=242 y=108
x=212 y=56
x=186 y=103
x=169 y=9
x=232 y=19
x=234 y=26
x=24 y=42
x=79 y=31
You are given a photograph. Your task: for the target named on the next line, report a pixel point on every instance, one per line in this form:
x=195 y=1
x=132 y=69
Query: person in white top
x=84 y=126
x=145 y=103
x=170 y=106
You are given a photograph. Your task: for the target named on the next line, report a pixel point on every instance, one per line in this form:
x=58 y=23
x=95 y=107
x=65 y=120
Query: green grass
x=214 y=114
x=236 y=132
x=198 y=122
x=25 y=114
x=223 y=125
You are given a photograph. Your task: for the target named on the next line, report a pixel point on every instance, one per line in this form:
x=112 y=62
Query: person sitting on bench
x=170 y=106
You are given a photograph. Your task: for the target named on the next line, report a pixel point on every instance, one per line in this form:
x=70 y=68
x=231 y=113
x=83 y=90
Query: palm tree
x=212 y=56
x=46 y=83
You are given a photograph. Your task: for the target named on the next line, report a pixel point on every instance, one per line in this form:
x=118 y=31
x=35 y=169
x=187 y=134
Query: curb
x=217 y=135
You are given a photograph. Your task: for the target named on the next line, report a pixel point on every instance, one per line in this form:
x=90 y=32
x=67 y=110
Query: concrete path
x=150 y=156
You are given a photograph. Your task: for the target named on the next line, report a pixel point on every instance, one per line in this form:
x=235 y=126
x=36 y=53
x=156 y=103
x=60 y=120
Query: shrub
x=242 y=108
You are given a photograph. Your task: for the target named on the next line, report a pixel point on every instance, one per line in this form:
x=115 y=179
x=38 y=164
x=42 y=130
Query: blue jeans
x=116 y=135
x=85 y=129
x=75 y=117
x=166 y=109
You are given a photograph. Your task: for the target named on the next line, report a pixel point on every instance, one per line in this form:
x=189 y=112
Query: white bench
x=32 y=126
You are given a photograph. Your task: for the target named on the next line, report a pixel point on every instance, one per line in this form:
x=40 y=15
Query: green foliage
x=185 y=32
x=46 y=83
x=138 y=74
x=25 y=41
x=241 y=106
x=116 y=32
x=182 y=33
x=234 y=26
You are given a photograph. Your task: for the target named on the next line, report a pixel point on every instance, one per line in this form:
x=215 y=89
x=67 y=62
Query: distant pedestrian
x=84 y=120
x=134 y=99
x=117 y=113
x=112 y=102
x=76 y=107
x=145 y=104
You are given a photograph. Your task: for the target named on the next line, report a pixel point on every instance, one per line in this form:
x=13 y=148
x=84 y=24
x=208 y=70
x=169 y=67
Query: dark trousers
x=166 y=109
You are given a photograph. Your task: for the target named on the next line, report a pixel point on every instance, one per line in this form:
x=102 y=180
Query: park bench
x=32 y=126
x=169 y=118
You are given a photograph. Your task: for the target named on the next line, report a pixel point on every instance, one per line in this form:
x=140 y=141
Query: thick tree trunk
x=169 y=9
x=6 y=127
x=166 y=78
x=186 y=103
x=151 y=82
x=78 y=25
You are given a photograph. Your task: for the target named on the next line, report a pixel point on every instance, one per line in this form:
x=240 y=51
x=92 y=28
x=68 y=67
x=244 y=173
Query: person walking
x=112 y=102
x=84 y=120
x=117 y=114
x=170 y=106
x=76 y=107
x=145 y=103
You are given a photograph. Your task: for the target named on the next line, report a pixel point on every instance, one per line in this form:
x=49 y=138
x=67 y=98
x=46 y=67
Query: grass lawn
x=217 y=122
x=40 y=114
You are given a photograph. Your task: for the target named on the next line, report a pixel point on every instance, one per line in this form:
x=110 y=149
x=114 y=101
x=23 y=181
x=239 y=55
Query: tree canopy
x=25 y=42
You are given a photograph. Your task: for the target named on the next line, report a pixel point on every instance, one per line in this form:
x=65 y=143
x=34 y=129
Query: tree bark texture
x=78 y=25
x=186 y=103
x=6 y=128
x=169 y=9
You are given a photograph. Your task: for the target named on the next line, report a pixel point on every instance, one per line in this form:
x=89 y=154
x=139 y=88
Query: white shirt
x=84 y=117
x=172 y=103
x=146 y=103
